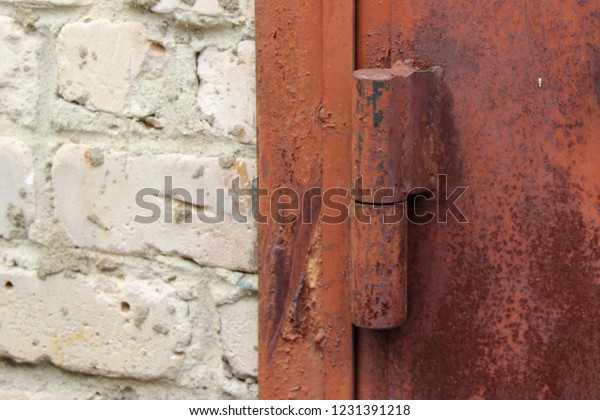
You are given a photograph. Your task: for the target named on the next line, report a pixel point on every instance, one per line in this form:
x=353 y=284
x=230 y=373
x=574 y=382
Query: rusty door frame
x=305 y=59
x=543 y=152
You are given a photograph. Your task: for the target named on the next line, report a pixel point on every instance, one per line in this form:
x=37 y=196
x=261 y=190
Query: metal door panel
x=508 y=305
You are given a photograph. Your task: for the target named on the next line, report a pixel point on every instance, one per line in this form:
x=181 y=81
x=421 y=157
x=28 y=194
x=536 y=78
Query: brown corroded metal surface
x=506 y=306
x=371 y=352
x=378 y=254
x=373 y=34
x=336 y=118
x=304 y=72
x=396 y=132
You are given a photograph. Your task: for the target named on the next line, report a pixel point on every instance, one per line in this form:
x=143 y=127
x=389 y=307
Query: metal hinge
x=395 y=149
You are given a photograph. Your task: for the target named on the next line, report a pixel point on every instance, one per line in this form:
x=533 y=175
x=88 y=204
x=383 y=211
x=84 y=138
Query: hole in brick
x=125 y=307
x=157 y=48
x=8 y=285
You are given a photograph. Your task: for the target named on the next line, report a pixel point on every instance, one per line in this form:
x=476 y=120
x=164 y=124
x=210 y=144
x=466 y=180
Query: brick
x=204 y=13
x=199 y=7
x=99 y=325
x=228 y=89
x=203 y=7
x=17 y=199
x=247 y=8
x=52 y=2
x=110 y=67
x=95 y=202
x=239 y=336
x=18 y=72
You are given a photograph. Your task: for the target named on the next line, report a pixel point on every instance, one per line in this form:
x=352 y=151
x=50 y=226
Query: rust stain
x=241 y=168
x=59 y=343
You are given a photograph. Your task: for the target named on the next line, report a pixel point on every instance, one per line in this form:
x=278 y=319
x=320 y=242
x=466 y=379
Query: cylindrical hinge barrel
x=394 y=132
x=376 y=148
x=379 y=277
x=396 y=128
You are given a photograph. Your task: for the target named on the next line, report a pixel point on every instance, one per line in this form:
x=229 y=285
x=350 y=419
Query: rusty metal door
x=504 y=306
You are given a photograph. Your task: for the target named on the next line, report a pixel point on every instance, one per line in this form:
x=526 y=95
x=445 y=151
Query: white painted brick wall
x=229 y=100
x=205 y=13
x=18 y=71
x=17 y=205
x=98 y=325
x=95 y=202
x=99 y=100
x=239 y=321
x=110 y=67
x=49 y=3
